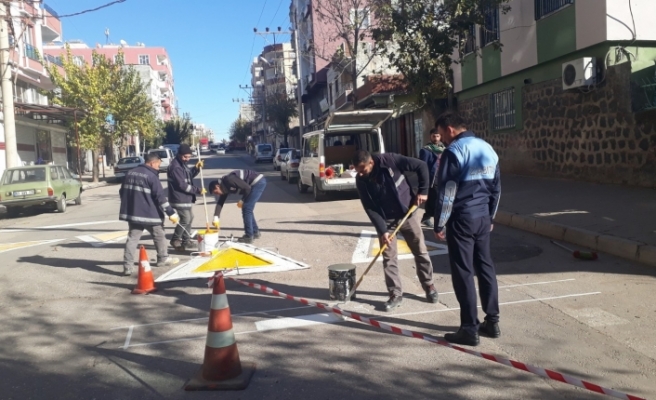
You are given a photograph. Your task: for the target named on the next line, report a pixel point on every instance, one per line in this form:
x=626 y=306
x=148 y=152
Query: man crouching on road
x=250 y=185
x=182 y=194
x=143 y=204
x=386 y=197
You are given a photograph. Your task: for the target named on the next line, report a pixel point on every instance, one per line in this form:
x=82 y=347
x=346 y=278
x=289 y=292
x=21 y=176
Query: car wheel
x=319 y=195
x=289 y=179
x=13 y=212
x=283 y=177
x=78 y=199
x=61 y=204
x=301 y=187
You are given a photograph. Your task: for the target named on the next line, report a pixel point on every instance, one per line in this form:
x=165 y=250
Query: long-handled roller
x=581 y=255
x=382 y=249
x=202 y=184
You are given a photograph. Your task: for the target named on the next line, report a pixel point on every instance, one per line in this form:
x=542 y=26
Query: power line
x=274 y=15
x=90 y=10
x=250 y=58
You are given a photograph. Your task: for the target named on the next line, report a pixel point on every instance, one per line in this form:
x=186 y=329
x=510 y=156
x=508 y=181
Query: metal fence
x=503 y=109
x=30 y=52
x=50 y=10
x=490 y=31
x=54 y=60
x=544 y=7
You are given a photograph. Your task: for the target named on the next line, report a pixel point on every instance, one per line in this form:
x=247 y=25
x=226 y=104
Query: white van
x=166 y=155
x=326 y=155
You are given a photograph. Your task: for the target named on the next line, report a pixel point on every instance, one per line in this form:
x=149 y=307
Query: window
x=360 y=18
x=470 y=40
x=545 y=7
x=503 y=109
x=119 y=58
x=78 y=60
x=330 y=93
x=25 y=175
x=144 y=59
x=490 y=31
x=54 y=174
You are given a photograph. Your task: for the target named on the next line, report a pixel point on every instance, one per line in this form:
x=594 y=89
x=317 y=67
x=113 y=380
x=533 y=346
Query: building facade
x=570 y=91
x=40 y=137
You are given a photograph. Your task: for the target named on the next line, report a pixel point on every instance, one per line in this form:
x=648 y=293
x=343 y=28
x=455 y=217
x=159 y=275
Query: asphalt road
x=72 y=330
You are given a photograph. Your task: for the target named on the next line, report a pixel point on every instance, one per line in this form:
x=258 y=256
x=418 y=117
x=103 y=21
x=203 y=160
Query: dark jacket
x=385 y=194
x=469 y=180
x=238 y=181
x=142 y=197
x=431 y=158
x=182 y=192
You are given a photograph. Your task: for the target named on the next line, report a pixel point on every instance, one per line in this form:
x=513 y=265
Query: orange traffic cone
x=222 y=369
x=145 y=282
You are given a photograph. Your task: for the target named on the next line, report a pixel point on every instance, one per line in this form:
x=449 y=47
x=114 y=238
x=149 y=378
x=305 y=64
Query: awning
x=51 y=114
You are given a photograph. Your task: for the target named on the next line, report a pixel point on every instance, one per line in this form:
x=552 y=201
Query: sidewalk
x=87 y=179
x=613 y=219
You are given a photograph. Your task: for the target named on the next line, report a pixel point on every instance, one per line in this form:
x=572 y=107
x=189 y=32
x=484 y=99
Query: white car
x=289 y=166
x=263 y=152
x=166 y=155
x=220 y=150
x=277 y=159
x=326 y=155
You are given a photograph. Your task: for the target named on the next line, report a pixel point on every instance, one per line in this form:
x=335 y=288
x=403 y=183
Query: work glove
x=240 y=203
x=215 y=222
x=200 y=164
x=203 y=191
x=175 y=218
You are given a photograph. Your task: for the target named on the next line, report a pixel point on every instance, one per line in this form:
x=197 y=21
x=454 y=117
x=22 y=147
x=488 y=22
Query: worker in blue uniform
x=468 y=196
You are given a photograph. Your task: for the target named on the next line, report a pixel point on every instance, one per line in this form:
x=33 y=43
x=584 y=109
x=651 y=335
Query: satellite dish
x=123 y=42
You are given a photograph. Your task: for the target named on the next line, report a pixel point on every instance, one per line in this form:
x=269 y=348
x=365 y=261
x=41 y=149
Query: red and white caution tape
x=545 y=373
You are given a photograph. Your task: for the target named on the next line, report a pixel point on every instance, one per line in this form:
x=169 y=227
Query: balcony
x=54 y=60
x=51 y=27
x=31 y=52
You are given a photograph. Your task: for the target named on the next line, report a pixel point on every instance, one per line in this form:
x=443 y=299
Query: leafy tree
x=350 y=24
x=425 y=35
x=177 y=130
x=240 y=130
x=90 y=88
x=280 y=110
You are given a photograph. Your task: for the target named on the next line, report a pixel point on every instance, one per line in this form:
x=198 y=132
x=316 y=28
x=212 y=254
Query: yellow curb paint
x=401 y=245
x=231 y=258
x=106 y=237
x=20 y=245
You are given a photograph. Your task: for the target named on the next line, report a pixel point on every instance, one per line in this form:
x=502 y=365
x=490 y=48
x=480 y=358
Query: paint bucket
x=341 y=279
x=207 y=240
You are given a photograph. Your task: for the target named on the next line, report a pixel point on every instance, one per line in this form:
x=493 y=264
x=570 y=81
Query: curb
x=94 y=185
x=620 y=247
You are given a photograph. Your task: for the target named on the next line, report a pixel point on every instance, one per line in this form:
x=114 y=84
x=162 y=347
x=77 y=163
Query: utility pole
x=11 y=148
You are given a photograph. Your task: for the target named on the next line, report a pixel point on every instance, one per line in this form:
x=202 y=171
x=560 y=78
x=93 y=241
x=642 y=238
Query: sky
x=211 y=44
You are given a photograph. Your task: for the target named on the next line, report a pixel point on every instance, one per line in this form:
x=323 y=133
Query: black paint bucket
x=341 y=278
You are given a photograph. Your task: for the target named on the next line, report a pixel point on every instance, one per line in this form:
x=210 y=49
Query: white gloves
x=215 y=222
x=175 y=218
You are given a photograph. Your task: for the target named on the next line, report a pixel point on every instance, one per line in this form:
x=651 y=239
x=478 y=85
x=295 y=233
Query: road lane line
x=128 y=337
x=22 y=245
x=11 y=230
x=524 y=284
x=381 y=317
x=297 y=322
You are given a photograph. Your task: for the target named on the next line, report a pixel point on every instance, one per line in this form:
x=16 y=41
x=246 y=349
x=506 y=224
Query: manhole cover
x=506 y=249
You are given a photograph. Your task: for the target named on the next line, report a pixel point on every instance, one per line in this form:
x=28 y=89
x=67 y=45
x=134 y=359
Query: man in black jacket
x=143 y=204
x=182 y=194
x=386 y=197
x=251 y=185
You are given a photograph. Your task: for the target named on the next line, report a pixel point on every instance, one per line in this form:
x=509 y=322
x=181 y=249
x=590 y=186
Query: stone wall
x=593 y=136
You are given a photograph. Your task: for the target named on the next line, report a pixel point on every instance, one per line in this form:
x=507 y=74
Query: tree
x=177 y=130
x=280 y=108
x=90 y=88
x=240 y=130
x=349 y=25
x=426 y=33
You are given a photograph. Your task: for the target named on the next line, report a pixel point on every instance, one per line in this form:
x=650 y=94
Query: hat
x=184 y=149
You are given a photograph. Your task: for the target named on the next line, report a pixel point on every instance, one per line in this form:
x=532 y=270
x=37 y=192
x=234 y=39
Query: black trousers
x=430 y=204
x=468 y=241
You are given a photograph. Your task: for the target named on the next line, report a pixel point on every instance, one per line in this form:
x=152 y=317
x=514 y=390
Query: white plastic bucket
x=207 y=240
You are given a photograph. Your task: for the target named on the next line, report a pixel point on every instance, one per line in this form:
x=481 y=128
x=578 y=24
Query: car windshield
x=129 y=160
x=285 y=151
x=263 y=147
x=161 y=153
x=24 y=175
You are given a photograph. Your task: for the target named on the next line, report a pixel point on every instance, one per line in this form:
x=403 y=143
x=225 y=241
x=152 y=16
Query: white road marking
x=361 y=252
x=381 y=317
x=297 y=322
x=128 y=337
x=24 y=245
x=522 y=284
x=41 y=228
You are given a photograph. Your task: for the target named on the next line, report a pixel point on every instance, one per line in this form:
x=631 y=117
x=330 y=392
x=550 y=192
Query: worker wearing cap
x=468 y=196
x=143 y=204
x=430 y=154
x=182 y=195
x=251 y=185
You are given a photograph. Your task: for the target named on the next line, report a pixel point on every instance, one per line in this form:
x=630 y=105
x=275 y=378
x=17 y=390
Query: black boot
x=393 y=302
x=463 y=337
x=489 y=329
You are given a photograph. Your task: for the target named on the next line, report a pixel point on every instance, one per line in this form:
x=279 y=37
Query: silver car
x=263 y=152
x=289 y=166
x=277 y=159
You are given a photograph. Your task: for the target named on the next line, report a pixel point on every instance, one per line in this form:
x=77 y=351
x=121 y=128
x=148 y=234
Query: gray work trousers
x=414 y=237
x=134 y=235
x=186 y=218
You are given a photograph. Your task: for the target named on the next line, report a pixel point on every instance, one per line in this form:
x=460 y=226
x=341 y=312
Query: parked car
x=263 y=152
x=213 y=147
x=326 y=154
x=289 y=166
x=166 y=155
x=220 y=150
x=52 y=186
x=277 y=159
x=173 y=147
x=126 y=164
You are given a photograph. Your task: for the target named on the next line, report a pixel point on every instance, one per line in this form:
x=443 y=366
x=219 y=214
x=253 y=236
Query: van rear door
x=365 y=120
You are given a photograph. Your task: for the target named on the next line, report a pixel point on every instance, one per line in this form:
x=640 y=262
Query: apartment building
x=40 y=131
x=565 y=88
x=152 y=63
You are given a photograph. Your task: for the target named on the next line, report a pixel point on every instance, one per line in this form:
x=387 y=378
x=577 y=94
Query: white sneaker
x=168 y=261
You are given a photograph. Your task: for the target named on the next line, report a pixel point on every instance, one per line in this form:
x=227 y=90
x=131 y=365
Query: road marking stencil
x=103 y=239
x=368 y=246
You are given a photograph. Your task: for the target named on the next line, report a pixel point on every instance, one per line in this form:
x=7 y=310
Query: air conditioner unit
x=579 y=72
